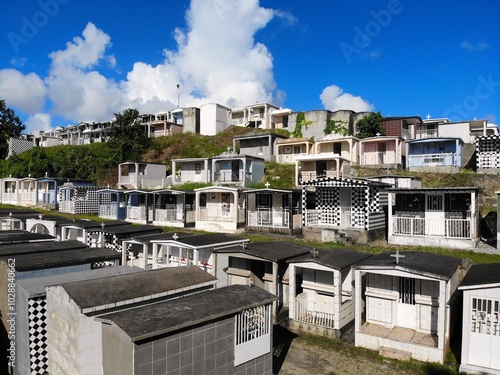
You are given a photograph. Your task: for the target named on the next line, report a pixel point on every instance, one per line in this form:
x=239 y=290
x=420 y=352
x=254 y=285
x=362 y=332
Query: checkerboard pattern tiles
x=37 y=322
x=327 y=200
x=488 y=151
x=364 y=199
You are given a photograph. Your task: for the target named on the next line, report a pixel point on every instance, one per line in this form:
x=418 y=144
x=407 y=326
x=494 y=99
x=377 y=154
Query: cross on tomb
x=169 y=187
x=175 y=237
x=428 y=117
x=103 y=225
x=314 y=253
x=397 y=256
x=267 y=184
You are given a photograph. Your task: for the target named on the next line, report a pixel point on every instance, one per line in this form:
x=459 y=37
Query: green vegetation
x=300 y=121
x=337 y=127
x=369 y=126
x=10 y=126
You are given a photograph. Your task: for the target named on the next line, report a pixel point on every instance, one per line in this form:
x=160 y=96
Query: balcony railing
x=375 y=158
x=136 y=213
x=229 y=176
x=108 y=211
x=166 y=215
x=433 y=160
x=266 y=218
x=306 y=312
x=349 y=218
x=413 y=226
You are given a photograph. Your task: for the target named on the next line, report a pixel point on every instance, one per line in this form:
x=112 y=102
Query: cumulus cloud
x=26 y=92
x=473 y=46
x=38 y=121
x=216 y=59
x=234 y=69
x=76 y=91
x=334 y=98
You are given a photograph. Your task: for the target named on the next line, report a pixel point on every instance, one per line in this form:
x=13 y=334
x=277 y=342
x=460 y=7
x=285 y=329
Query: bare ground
x=298 y=357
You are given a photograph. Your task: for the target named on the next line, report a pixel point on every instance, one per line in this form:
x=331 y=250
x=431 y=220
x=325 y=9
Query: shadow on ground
x=282 y=340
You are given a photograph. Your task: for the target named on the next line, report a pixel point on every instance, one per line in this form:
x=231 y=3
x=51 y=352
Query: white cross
x=267 y=184
x=314 y=253
x=40 y=216
x=397 y=256
x=428 y=117
x=169 y=187
x=103 y=225
x=175 y=237
x=228 y=148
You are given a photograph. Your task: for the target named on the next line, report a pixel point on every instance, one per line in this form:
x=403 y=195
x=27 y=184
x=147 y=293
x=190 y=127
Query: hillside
x=98 y=162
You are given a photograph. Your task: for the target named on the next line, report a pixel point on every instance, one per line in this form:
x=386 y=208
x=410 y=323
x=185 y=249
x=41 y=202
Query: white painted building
x=481 y=320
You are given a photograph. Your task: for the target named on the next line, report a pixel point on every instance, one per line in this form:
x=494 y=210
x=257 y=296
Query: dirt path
x=302 y=359
x=295 y=357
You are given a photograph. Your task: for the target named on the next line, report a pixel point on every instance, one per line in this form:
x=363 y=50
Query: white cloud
x=76 y=92
x=473 y=46
x=334 y=98
x=216 y=59
x=25 y=92
x=38 y=121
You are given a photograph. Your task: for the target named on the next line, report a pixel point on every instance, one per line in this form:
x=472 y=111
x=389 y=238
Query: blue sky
x=66 y=61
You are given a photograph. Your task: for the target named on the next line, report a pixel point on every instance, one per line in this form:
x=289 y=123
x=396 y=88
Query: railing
x=433 y=160
x=46 y=197
x=287 y=158
x=266 y=218
x=375 y=158
x=28 y=196
x=426 y=133
x=305 y=312
x=11 y=197
x=349 y=219
x=413 y=226
x=108 y=210
x=217 y=216
x=67 y=206
x=136 y=213
x=168 y=215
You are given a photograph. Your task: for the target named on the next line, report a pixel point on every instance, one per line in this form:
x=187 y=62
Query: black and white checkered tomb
x=37 y=323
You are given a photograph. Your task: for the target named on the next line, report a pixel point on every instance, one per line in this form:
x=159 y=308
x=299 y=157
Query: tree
x=10 y=127
x=128 y=138
x=369 y=126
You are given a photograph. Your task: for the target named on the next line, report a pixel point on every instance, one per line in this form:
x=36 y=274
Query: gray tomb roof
x=156 y=319
x=418 y=262
x=113 y=291
x=35 y=287
x=338 y=259
x=482 y=275
x=212 y=240
x=15 y=249
x=22 y=236
x=63 y=258
x=273 y=251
